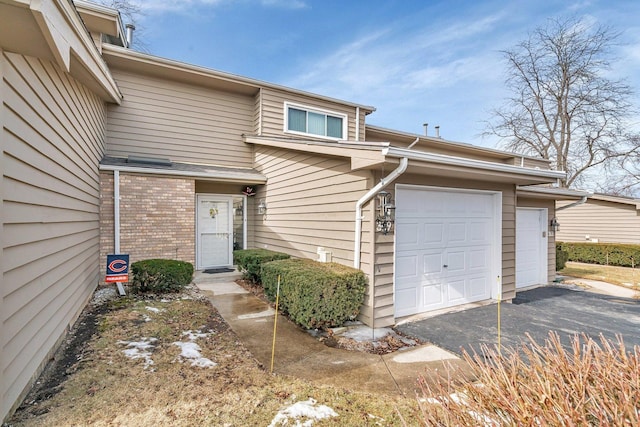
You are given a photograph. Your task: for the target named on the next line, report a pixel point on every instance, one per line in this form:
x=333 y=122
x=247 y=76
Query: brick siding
x=157 y=217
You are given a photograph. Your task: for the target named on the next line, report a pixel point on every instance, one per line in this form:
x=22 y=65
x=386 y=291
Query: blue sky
x=415 y=61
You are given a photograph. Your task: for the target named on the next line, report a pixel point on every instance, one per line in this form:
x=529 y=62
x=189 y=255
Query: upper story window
x=311 y=121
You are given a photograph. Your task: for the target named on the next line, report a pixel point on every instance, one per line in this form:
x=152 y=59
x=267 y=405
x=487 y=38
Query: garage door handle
x=445 y=266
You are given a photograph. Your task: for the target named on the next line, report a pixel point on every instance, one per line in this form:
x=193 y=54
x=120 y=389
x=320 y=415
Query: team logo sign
x=117 y=268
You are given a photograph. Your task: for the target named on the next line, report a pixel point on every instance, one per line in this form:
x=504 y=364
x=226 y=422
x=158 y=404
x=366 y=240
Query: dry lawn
x=617 y=275
x=104 y=387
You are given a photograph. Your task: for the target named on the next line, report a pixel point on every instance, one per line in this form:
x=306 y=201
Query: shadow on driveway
x=537 y=311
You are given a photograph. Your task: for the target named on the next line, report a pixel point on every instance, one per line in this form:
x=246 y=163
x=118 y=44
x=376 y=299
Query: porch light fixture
x=262 y=207
x=554 y=225
x=386 y=213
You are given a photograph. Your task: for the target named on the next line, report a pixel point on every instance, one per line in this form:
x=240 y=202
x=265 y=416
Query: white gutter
x=470 y=163
x=571 y=205
x=404 y=162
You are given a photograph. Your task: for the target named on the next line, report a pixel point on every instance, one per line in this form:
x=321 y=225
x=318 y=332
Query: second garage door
x=447 y=248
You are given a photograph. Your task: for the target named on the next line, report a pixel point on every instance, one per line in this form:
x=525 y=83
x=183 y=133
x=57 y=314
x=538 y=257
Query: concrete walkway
x=300 y=355
x=601 y=287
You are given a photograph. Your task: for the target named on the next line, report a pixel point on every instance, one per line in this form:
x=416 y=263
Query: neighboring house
x=110 y=150
x=602 y=218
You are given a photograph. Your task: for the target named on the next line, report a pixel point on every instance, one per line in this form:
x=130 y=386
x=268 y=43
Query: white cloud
x=285 y=4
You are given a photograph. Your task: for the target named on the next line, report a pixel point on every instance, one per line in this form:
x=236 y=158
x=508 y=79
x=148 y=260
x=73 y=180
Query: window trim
x=344 y=117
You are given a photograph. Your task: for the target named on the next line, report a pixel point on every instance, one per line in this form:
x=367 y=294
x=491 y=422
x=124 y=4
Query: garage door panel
x=433 y=296
x=455 y=262
x=453 y=229
x=433 y=234
x=456 y=292
x=457 y=233
x=407 y=236
x=407 y=266
x=432 y=263
x=478 y=288
x=408 y=300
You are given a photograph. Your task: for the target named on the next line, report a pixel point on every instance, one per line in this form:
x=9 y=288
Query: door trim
x=221 y=198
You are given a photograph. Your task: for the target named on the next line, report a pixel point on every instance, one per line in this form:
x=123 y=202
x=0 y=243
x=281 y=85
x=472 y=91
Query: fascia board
x=66 y=36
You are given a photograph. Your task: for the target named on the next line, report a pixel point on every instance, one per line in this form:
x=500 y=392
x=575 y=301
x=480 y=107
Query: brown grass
x=606 y=273
x=106 y=388
x=593 y=384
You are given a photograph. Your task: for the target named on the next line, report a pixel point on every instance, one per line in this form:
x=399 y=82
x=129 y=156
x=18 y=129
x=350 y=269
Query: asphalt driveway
x=537 y=311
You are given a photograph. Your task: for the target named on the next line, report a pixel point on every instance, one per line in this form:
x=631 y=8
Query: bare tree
x=563 y=106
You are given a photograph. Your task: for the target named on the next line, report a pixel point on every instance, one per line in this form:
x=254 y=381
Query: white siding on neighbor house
x=52 y=141
x=608 y=222
x=181 y=122
x=310 y=203
x=272 y=106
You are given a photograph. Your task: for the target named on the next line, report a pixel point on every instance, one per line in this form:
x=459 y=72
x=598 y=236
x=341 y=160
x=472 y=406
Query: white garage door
x=531 y=247
x=447 y=248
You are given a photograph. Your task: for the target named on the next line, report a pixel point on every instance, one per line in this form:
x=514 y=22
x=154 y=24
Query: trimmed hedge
x=160 y=275
x=250 y=261
x=315 y=294
x=562 y=257
x=603 y=253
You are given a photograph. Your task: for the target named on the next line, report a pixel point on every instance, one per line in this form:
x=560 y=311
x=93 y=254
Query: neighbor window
x=314 y=122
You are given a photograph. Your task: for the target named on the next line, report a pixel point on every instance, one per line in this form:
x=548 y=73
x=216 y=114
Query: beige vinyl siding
x=310 y=203
x=608 y=222
x=273 y=112
x=52 y=140
x=384 y=250
x=551 y=239
x=178 y=121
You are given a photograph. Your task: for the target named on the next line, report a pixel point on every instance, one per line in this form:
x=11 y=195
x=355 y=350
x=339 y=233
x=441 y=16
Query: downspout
x=571 y=205
x=116 y=212
x=404 y=162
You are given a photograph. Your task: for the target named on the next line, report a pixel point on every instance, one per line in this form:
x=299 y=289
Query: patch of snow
x=146 y=318
x=140 y=350
x=154 y=309
x=305 y=409
x=191 y=351
x=461 y=400
x=103 y=295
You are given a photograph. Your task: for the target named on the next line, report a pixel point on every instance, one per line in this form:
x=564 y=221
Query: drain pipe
x=571 y=205
x=116 y=212
x=404 y=162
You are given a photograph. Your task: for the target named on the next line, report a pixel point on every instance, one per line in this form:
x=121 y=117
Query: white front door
x=531 y=247
x=214 y=239
x=447 y=248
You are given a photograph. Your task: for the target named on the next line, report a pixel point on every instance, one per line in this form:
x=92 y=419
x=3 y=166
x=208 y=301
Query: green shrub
x=562 y=257
x=603 y=253
x=160 y=275
x=250 y=260
x=314 y=294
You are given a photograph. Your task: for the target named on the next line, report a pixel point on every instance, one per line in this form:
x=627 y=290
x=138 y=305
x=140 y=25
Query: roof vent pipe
x=426 y=129
x=437 y=131
x=129 y=36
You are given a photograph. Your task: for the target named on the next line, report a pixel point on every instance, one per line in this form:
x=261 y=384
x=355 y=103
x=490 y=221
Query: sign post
x=118 y=271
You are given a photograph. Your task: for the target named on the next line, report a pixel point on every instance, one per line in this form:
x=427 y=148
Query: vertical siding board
x=53 y=132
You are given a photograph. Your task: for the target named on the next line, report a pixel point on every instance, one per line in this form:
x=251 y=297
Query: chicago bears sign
x=117 y=268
